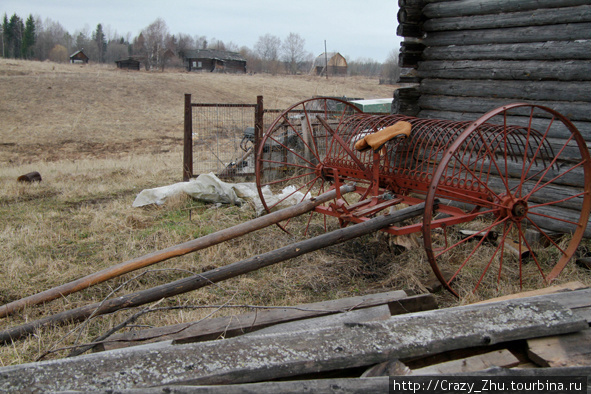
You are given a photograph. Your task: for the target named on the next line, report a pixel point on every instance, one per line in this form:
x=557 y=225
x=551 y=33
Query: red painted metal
x=493 y=171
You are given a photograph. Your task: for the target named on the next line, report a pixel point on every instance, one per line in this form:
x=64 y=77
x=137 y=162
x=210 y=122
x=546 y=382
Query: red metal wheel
x=526 y=171
x=291 y=156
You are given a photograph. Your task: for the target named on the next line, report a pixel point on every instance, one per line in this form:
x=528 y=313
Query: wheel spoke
x=293 y=152
x=558 y=201
x=548 y=238
x=532 y=254
x=499 y=247
x=553 y=162
x=553 y=218
x=285 y=164
x=300 y=137
x=470 y=237
x=506 y=162
x=466 y=259
x=294 y=192
x=543 y=138
x=538 y=187
x=294 y=149
x=311 y=131
x=285 y=180
x=460 y=196
x=502 y=243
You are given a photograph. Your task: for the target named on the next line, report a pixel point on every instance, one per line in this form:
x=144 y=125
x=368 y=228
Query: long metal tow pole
x=173 y=251
x=216 y=275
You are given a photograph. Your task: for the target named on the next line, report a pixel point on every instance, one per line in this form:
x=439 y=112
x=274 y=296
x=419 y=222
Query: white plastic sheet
x=209 y=188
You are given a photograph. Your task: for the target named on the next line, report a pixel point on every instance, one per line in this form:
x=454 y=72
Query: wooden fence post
x=188 y=141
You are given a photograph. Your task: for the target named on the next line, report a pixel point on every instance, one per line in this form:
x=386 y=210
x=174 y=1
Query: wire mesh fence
x=223 y=137
x=222 y=134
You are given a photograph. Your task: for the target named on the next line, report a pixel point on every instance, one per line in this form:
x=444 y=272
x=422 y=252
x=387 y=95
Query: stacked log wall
x=471 y=56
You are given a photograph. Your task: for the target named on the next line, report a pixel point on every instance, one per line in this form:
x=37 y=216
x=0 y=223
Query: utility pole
x=325 y=60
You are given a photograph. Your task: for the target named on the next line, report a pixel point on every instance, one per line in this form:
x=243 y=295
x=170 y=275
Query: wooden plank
x=499 y=358
x=584 y=313
x=578 y=301
x=563 y=32
x=550 y=70
x=571 y=299
x=570 y=350
x=376 y=313
x=388 y=368
x=513 y=51
x=483 y=7
x=316 y=386
x=534 y=17
x=230 y=326
x=512 y=89
x=260 y=358
x=574 y=110
x=380 y=384
x=575 y=285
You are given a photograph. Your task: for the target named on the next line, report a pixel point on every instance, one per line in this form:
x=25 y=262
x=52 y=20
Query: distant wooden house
x=332 y=62
x=212 y=60
x=128 y=64
x=78 y=57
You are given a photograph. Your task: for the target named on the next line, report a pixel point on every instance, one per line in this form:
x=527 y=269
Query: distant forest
x=35 y=39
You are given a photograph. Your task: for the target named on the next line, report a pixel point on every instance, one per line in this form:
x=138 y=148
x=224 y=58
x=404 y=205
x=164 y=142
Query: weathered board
x=347 y=385
x=499 y=358
x=230 y=326
x=260 y=358
x=570 y=350
x=548 y=16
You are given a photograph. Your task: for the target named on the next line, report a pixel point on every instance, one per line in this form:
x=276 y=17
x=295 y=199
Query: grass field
x=99 y=136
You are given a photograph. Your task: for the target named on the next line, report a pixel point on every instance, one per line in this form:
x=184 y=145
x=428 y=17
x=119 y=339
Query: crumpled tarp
x=209 y=188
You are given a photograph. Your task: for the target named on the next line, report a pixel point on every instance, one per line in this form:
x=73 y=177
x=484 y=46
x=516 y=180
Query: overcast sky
x=355 y=29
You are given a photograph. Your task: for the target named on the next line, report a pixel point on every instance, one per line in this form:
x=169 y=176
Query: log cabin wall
x=467 y=57
x=472 y=56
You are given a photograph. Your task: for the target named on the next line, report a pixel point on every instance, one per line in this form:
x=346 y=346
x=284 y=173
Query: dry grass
x=99 y=136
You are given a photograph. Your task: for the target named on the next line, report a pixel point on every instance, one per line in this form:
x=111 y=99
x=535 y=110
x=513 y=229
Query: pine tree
x=15 y=36
x=101 y=42
x=28 y=38
x=4 y=35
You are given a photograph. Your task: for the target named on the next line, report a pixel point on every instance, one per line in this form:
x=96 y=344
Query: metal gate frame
x=258 y=113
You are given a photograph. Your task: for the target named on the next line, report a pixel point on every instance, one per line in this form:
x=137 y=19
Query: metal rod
x=188 y=140
x=173 y=251
x=216 y=275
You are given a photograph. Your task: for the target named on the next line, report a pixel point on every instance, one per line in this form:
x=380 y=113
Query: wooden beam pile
x=350 y=344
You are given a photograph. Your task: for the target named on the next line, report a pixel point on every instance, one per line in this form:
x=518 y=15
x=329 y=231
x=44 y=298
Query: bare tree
x=253 y=61
x=214 y=43
x=49 y=34
x=293 y=52
x=390 y=69
x=116 y=50
x=185 y=43
x=267 y=47
x=200 y=42
x=156 y=36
